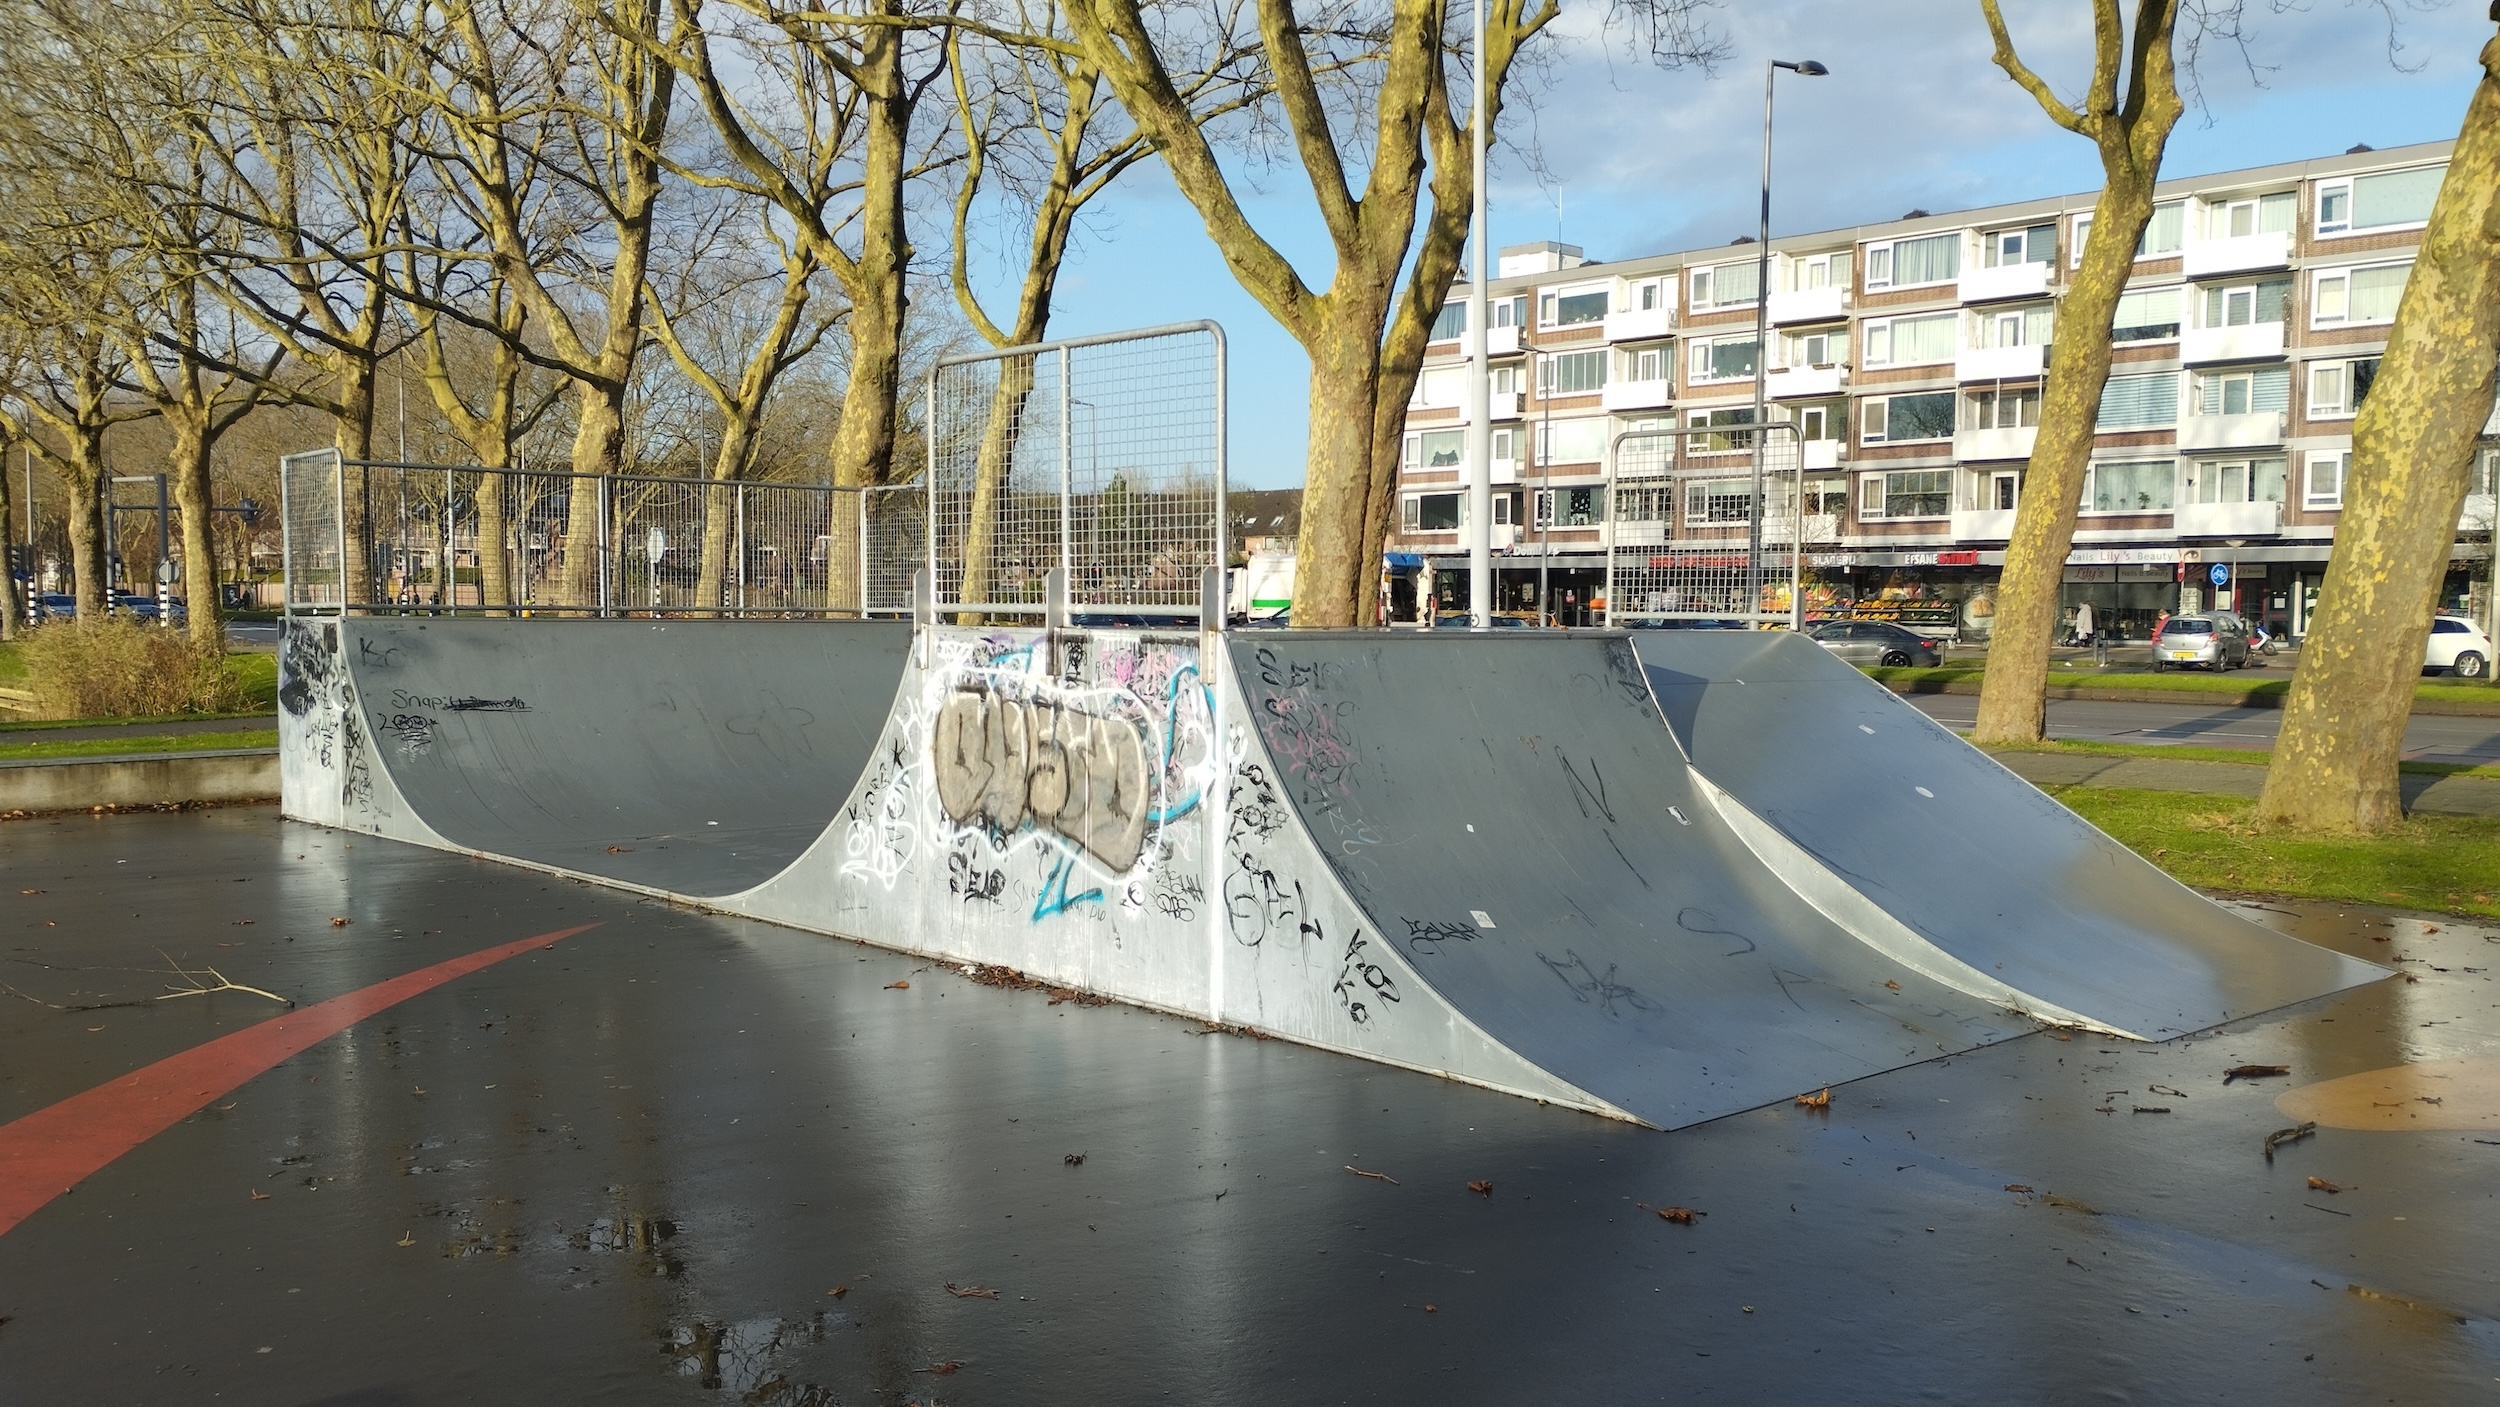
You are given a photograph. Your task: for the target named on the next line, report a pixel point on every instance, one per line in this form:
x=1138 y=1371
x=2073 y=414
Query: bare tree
x=2335 y=765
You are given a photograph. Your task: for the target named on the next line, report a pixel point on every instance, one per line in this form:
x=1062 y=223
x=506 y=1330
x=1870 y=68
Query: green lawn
x=2243 y=686
x=29 y=749
x=2248 y=757
x=2438 y=863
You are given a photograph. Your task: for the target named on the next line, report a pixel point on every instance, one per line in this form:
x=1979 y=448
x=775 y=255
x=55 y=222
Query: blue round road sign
x=2219 y=574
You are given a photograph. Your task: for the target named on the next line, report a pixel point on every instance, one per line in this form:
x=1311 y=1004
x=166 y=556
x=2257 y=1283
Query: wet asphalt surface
x=633 y=1167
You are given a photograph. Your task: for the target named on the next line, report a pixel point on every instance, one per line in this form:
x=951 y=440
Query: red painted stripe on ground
x=52 y=1150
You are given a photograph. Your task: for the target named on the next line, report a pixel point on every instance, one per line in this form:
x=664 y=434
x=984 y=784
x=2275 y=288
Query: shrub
x=122 y=669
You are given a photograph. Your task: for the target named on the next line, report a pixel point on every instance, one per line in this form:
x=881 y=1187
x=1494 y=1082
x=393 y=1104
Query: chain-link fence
x=1680 y=535
x=444 y=538
x=1101 y=458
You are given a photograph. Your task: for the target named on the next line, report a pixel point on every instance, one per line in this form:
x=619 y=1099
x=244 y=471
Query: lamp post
x=1807 y=68
x=1479 y=370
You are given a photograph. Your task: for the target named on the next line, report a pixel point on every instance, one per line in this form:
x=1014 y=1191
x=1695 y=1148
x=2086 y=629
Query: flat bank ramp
x=1899 y=815
x=697 y=757
x=1515 y=818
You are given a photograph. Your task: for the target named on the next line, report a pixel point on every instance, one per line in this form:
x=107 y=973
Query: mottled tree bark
x=2334 y=766
x=2130 y=134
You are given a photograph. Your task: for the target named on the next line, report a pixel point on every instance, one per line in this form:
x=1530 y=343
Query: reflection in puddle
x=738 y=1358
x=2435 y=1094
x=645 y=1238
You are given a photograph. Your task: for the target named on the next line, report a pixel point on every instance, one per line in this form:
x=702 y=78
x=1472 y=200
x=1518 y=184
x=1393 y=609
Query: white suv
x=2459 y=647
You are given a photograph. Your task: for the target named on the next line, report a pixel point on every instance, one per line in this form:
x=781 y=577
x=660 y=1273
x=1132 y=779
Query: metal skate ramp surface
x=1516 y=819
x=696 y=757
x=1930 y=830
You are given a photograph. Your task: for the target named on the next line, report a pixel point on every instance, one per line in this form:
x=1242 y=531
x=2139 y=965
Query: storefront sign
x=2103 y=556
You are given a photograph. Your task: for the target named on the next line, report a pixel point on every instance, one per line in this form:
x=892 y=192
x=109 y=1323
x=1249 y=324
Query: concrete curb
x=2423 y=794
x=141 y=779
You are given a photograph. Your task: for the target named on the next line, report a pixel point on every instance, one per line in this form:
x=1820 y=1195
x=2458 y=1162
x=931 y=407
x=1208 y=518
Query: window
x=2250 y=215
x=2323 y=484
x=2486 y=474
x=2005 y=410
x=2243 y=392
x=2139 y=402
x=1441 y=386
x=2146 y=315
x=1571 y=309
x=1824 y=346
x=2035 y=245
x=1430 y=512
x=1740 y=440
x=2357 y=297
x=1651 y=504
x=1899 y=419
x=2136 y=486
x=1906 y=493
x=2161 y=232
x=1637 y=454
x=1645 y=363
x=1451 y=323
x=1722 y=358
x=1645 y=295
x=1505 y=445
x=1570 y=508
x=1907 y=263
x=1827 y=494
x=1819 y=271
x=1436 y=449
x=1718 y=501
x=1505 y=509
x=1822 y=421
x=1726 y=285
x=2247 y=303
x=1510 y=312
x=2337 y=388
x=2378 y=202
x=1505 y=380
x=1912 y=341
x=1571 y=442
x=1571 y=373
x=2257 y=480
x=2030 y=326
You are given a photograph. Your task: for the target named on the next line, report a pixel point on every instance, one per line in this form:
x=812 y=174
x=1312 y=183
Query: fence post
x=739 y=504
x=1067 y=469
x=604 y=501
x=860 y=511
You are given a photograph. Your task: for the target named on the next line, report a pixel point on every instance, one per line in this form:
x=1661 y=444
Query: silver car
x=1876 y=642
x=2216 y=640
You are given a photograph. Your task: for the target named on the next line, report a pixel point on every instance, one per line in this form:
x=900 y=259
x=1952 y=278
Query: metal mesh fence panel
x=314 y=555
x=1679 y=531
x=1102 y=457
x=895 y=538
x=510 y=538
x=798 y=549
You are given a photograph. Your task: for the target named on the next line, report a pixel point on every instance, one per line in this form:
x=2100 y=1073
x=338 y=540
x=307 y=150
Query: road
x=2427 y=739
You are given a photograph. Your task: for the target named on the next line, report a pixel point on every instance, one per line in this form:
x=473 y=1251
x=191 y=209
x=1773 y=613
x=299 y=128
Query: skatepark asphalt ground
x=680 y=1158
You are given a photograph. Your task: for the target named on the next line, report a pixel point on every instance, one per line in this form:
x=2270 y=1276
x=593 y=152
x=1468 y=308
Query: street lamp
x=1762 y=357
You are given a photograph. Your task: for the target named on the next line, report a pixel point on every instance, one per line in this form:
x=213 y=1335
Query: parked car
x=143 y=608
x=1875 y=642
x=2458 y=646
x=2217 y=640
x=1692 y=623
x=55 y=605
x=1460 y=620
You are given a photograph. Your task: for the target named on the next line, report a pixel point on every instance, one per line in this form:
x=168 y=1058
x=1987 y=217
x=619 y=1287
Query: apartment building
x=1910 y=357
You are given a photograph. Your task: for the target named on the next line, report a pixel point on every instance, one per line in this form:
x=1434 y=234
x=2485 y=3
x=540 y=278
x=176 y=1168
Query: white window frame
x=1835 y=262
x=2343 y=185
x=2082 y=225
x=1649 y=361
x=2341 y=274
x=1656 y=287
x=1835 y=347
x=2340 y=460
x=1700 y=358
x=1870 y=402
x=1547 y=368
x=2343 y=406
x=1549 y=304
x=1885 y=325
x=1884 y=247
x=1707 y=276
x=2092 y=484
x=1875 y=492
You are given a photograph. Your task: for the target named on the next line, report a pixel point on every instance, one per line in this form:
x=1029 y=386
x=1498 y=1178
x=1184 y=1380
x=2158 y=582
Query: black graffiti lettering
x=1590 y=986
x=1425 y=936
x=1589 y=791
x=1357 y=974
x=1704 y=922
x=1258 y=903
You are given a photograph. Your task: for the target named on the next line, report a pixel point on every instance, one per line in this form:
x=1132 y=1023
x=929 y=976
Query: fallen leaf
x=1892 y=984
x=418 y=1091
x=1481 y=1189
x=943 y=1370
x=1681 y=1216
x=620 y=850
x=30 y=891
x=2018 y=1187
x=1376 y=1177
x=1432 y=1309
x=406 y=1238
x=93 y=1029
x=338 y=923
x=258 y=1196
x=970 y=1292
x=839 y=1291
x=2322 y=1185
x=898 y=986
x=1074 y=1160
x=2253 y=1072
x=1822 y=1100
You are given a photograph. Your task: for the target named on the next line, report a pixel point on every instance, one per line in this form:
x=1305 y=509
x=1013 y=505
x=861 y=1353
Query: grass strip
x=2435 y=863
x=2246 y=757
x=2475 y=698
x=71 y=748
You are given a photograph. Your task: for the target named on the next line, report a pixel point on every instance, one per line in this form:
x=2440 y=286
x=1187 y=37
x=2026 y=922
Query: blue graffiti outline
x=1171 y=738
x=1049 y=903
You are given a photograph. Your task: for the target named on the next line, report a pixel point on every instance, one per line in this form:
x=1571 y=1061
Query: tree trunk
x=1329 y=565
x=863 y=443
x=2013 y=697
x=598 y=447
x=720 y=514
x=83 y=476
x=2334 y=766
x=352 y=433
x=187 y=459
x=12 y=602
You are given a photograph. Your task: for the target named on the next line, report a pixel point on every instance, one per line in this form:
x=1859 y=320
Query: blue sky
x=1631 y=160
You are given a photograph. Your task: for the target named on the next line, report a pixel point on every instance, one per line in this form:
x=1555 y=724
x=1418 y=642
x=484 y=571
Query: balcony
x=1504 y=405
x=1808 y=305
x=1505 y=471
x=1635 y=324
x=2262 y=519
x=1822 y=454
x=2005 y=281
x=2231 y=344
x=2015 y=443
x=2256 y=430
x=2000 y=363
x=1786 y=382
x=1637 y=395
x=2242 y=254
x=1983 y=524
x=1501 y=341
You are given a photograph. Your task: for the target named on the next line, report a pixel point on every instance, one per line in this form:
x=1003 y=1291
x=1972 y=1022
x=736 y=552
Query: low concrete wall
x=154 y=779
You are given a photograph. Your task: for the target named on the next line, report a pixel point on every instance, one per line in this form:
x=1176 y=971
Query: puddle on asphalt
x=739 y=1359
x=2438 y=1094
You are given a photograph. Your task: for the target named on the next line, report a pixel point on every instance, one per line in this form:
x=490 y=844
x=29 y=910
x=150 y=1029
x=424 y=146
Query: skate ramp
x=1903 y=817
x=695 y=757
x=1517 y=821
